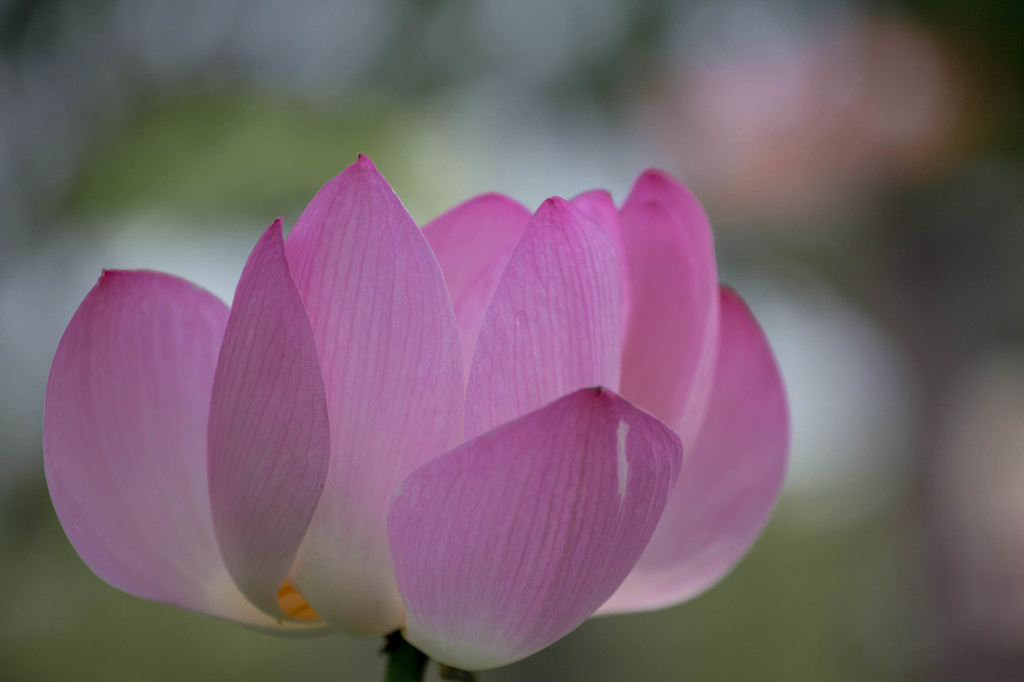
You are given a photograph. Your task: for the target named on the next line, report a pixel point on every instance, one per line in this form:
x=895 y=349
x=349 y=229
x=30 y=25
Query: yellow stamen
x=293 y=604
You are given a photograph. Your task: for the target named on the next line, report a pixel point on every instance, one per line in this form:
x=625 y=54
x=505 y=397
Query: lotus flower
x=471 y=432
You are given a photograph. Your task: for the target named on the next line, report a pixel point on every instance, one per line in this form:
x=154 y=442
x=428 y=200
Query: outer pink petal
x=269 y=442
x=669 y=354
x=554 y=323
x=392 y=368
x=510 y=541
x=125 y=441
x=473 y=242
x=729 y=482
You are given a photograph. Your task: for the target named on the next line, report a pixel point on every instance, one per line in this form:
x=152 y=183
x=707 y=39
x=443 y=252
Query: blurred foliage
x=224 y=152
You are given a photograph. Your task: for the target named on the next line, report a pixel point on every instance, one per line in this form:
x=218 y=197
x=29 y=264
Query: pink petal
x=730 y=481
x=392 y=368
x=599 y=206
x=268 y=440
x=473 y=242
x=510 y=541
x=554 y=323
x=125 y=441
x=669 y=353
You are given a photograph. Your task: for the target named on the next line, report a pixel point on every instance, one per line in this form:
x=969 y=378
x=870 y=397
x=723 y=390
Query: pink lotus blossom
x=471 y=432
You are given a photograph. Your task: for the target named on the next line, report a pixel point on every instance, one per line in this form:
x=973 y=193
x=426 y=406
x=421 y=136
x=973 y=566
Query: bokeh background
x=862 y=166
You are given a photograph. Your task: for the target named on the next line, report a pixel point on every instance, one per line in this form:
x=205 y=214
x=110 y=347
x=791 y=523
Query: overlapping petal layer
x=599 y=206
x=554 y=322
x=269 y=442
x=729 y=482
x=668 y=357
x=392 y=368
x=125 y=441
x=473 y=243
x=511 y=540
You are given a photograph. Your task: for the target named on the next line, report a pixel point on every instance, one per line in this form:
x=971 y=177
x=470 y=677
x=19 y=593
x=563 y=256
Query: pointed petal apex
x=364 y=161
x=392 y=368
x=269 y=442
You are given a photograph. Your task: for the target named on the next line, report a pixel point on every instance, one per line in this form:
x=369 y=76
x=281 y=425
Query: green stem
x=406 y=663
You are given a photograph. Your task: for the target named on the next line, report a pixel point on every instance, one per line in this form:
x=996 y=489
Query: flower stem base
x=406 y=663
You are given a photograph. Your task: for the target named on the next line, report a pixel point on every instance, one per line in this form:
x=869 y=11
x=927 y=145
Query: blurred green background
x=861 y=163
